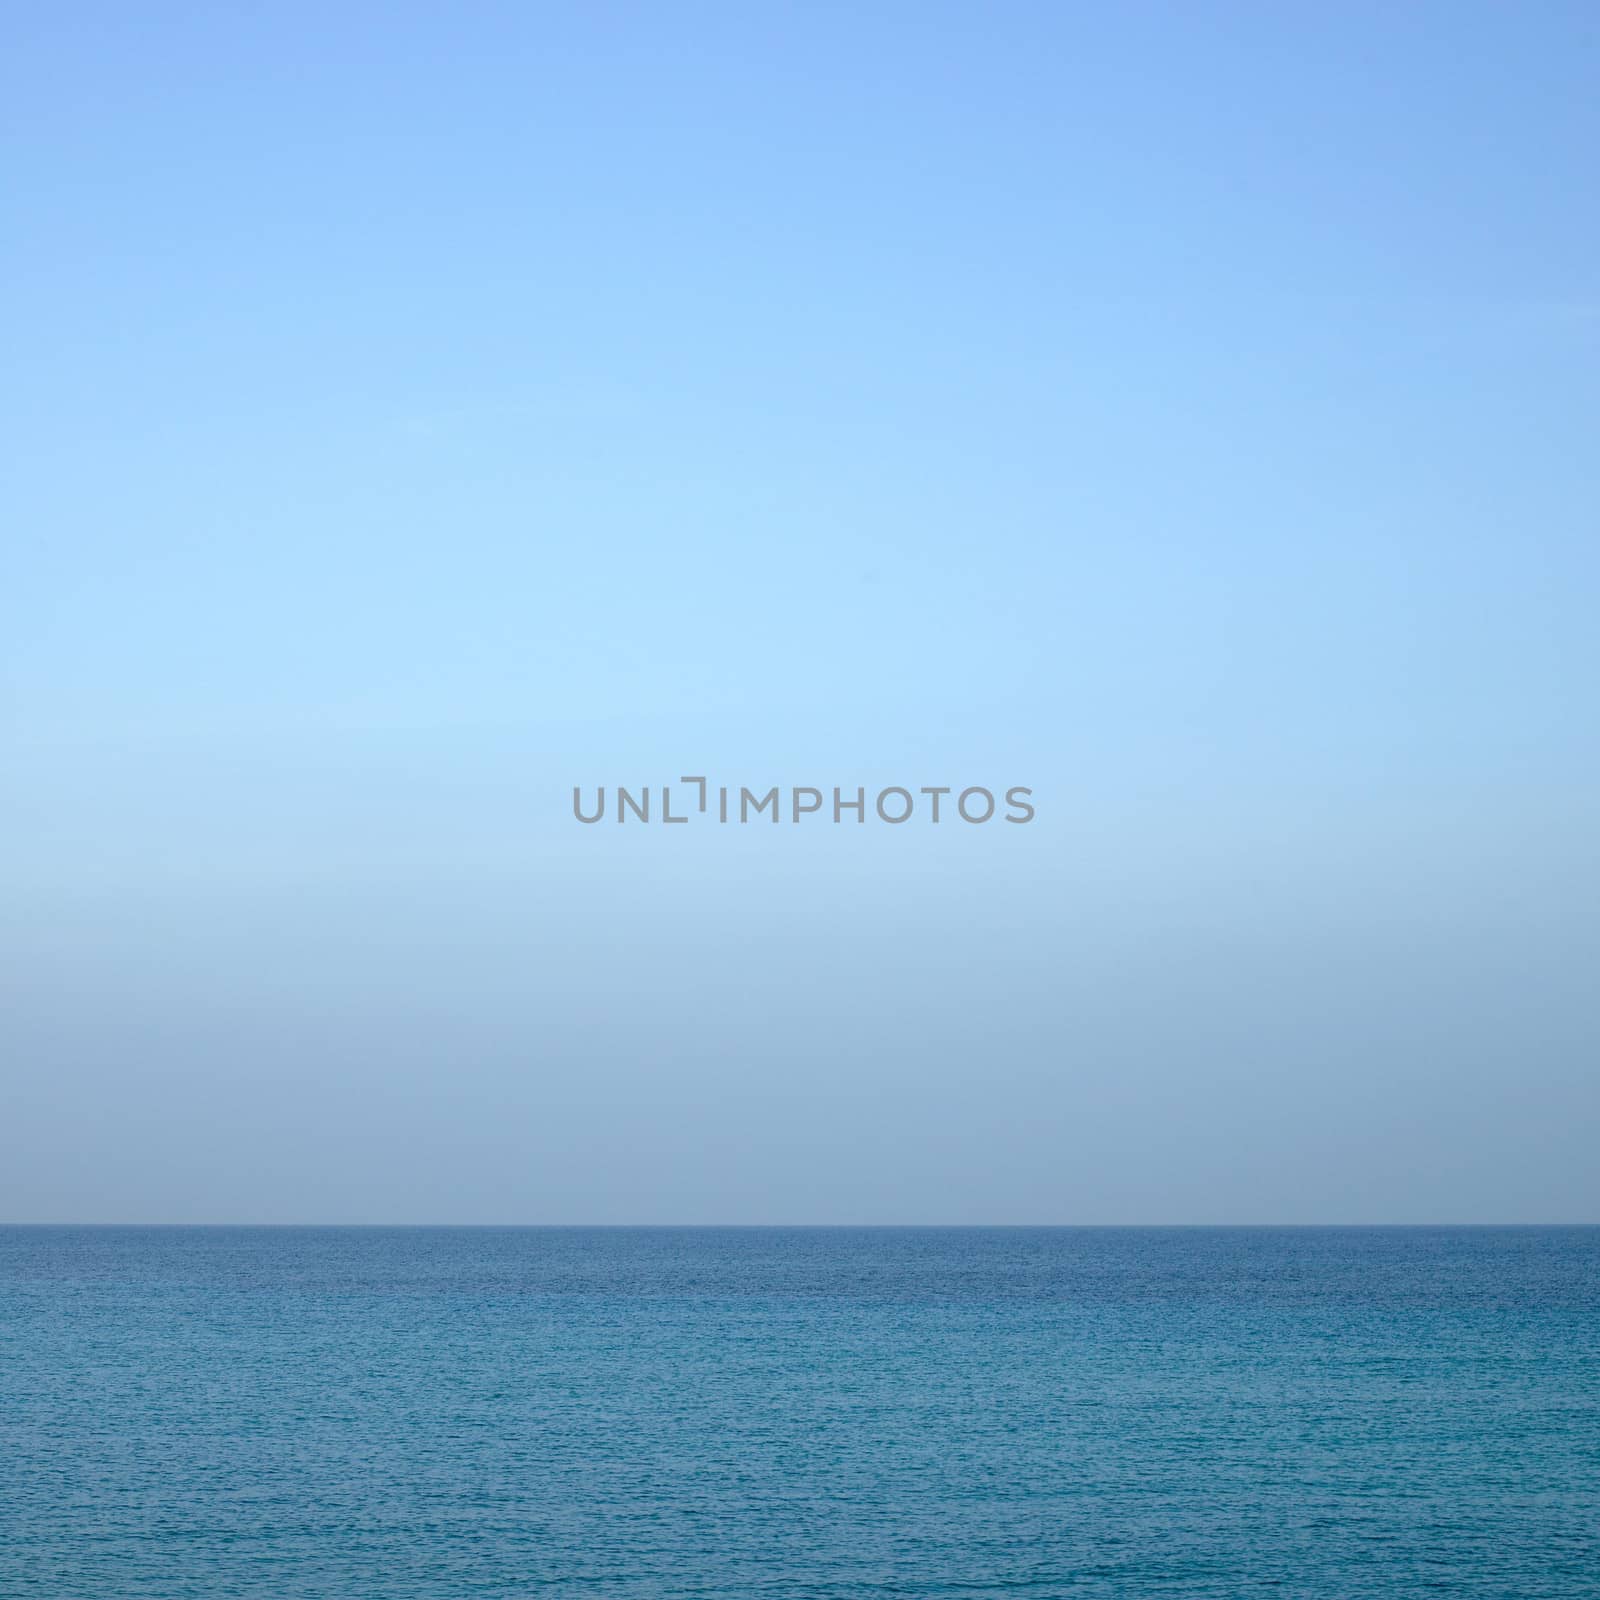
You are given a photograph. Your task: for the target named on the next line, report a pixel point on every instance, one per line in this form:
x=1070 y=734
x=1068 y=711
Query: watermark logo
x=929 y=803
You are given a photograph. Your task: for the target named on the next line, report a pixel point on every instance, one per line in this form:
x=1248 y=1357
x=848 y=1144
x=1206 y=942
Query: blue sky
x=1187 y=411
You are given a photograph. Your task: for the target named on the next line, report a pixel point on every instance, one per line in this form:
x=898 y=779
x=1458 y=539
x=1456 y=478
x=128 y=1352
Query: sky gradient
x=1187 y=412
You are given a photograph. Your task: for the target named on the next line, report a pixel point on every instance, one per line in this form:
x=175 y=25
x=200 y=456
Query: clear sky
x=1188 y=411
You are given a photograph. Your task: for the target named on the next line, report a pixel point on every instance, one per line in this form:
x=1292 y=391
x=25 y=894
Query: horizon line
x=796 y=1226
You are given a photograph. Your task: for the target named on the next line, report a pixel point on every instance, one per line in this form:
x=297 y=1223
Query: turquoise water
x=805 y=1413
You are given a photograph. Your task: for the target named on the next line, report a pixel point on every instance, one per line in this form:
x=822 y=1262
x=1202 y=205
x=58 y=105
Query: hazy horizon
x=814 y=1227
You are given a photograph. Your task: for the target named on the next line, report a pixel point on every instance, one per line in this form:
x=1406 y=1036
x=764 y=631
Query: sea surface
x=807 y=1413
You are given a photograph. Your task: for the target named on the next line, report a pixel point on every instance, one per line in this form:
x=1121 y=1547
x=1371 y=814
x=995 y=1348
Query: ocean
x=812 y=1413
